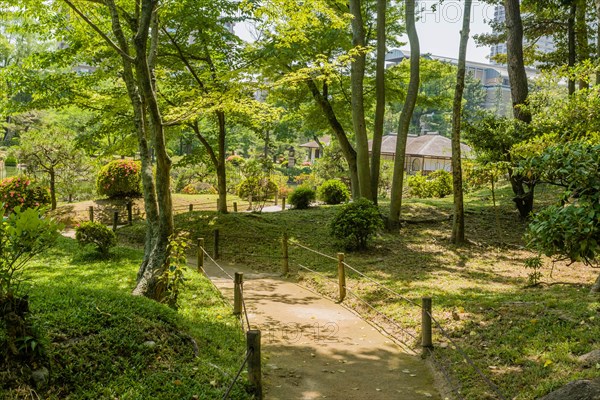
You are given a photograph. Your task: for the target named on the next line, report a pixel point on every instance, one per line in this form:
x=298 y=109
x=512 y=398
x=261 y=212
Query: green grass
x=525 y=340
x=94 y=332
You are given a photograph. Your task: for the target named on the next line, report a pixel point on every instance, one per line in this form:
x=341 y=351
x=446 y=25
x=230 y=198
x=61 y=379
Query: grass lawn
x=96 y=334
x=525 y=340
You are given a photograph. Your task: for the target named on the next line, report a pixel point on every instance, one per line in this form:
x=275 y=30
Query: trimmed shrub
x=302 y=197
x=120 y=178
x=436 y=184
x=333 y=192
x=97 y=234
x=259 y=188
x=355 y=223
x=10 y=161
x=22 y=191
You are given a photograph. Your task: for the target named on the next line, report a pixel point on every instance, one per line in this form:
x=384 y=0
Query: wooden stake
x=341 y=276
x=254 y=367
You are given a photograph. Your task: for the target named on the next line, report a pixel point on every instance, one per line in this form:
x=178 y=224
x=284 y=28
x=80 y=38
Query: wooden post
x=285 y=266
x=216 y=244
x=200 y=255
x=129 y=212
x=237 y=293
x=115 y=220
x=191 y=207
x=235 y=206
x=341 y=276
x=91 y=213
x=283 y=203
x=426 y=322
x=250 y=203
x=276 y=197
x=254 y=367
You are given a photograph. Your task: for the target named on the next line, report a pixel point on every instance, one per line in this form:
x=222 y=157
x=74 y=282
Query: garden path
x=314 y=348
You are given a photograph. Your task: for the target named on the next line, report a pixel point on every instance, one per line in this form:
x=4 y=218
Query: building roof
x=431 y=144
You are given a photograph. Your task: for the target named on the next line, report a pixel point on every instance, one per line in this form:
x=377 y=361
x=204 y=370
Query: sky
x=439 y=30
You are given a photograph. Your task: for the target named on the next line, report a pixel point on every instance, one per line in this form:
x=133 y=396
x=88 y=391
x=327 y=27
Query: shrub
x=436 y=184
x=97 y=234
x=354 y=223
x=120 y=178
x=259 y=188
x=302 y=197
x=22 y=191
x=333 y=192
x=235 y=160
x=10 y=161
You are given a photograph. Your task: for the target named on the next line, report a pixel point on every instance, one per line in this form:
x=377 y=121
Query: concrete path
x=316 y=349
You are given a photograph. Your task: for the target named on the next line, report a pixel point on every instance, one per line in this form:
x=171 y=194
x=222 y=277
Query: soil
x=314 y=348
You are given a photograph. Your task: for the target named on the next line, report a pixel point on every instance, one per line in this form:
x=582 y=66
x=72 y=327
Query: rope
x=248 y=354
x=464 y=355
x=244 y=306
x=454 y=388
x=383 y=287
x=318 y=273
x=217 y=264
x=294 y=243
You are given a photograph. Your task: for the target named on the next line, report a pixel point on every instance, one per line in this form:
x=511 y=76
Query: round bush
x=97 y=234
x=441 y=183
x=333 y=192
x=355 y=223
x=10 y=161
x=22 y=191
x=120 y=178
x=259 y=188
x=302 y=197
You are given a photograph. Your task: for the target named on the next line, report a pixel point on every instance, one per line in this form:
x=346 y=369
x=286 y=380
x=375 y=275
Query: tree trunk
x=221 y=170
x=357 y=75
x=519 y=88
x=379 y=99
x=340 y=134
x=572 y=43
x=598 y=38
x=405 y=116
x=596 y=286
x=583 y=46
x=458 y=225
x=52 y=188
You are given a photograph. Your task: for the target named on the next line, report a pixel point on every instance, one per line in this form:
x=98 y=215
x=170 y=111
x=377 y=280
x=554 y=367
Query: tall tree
x=406 y=115
x=379 y=98
x=136 y=35
x=458 y=225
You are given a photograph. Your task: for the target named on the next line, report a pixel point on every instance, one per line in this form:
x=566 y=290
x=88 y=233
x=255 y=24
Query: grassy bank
x=525 y=339
x=99 y=338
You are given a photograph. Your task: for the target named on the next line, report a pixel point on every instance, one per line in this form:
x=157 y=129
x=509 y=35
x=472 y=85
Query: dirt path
x=316 y=349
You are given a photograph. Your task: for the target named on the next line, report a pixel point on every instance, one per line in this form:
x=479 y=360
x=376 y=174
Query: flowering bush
x=22 y=191
x=120 y=178
x=235 y=160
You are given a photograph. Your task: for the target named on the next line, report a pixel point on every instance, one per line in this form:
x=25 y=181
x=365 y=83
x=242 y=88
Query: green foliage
x=569 y=229
x=436 y=184
x=302 y=196
x=96 y=234
x=535 y=265
x=10 y=161
x=120 y=178
x=24 y=192
x=259 y=188
x=355 y=223
x=174 y=275
x=333 y=192
x=24 y=234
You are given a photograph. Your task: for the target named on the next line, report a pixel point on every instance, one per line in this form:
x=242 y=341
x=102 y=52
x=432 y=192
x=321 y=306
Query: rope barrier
x=293 y=242
x=244 y=306
x=248 y=354
x=318 y=273
x=217 y=264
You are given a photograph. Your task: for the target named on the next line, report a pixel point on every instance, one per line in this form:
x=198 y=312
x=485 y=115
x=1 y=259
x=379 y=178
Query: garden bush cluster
x=259 y=188
x=96 y=234
x=119 y=179
x=302 y=197
x=355 y=223
x=24 y=192
x=333 y=191
x=436 y=184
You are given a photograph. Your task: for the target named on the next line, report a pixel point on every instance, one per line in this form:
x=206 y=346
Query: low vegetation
x=101 y=342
